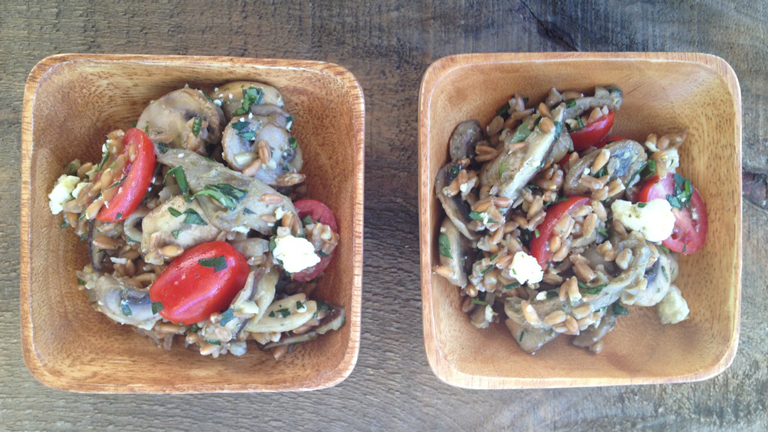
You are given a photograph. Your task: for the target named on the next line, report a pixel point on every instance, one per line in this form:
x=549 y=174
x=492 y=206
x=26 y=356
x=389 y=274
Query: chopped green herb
x=175 y=233
x=125 y=308
x=181 y=179
x=243 y=130
x=194 y=328
x=503 y=167
x=157 y=307
x=174 y=212
x=300 y=306
x=284 y=313
x=117 y=183
x=272 y=243
x=445 y=246
x=248 y=211
x=71 y=168
x=522 y=335
x=618 y=309
x=674 y=202
x=307 y=220
x=664 y=272
x=224 y=193
x=288 y=123
x=641 y=204
x=83 y=238
x=162 y=147
x=479 y=217
x=581 y=123
x=493 y=257
x=513 y=285
x=292 y=141
x=272 y=314
x=251 y=96
x=532 y=186
x=65 y=223
x=118 y=216
x=602 y=232
x=571 y=103
x=536 y=233
x=193 y=217
x=484 y=272
x=478 y=302
x=684 y=247
x=649 y=170
x=602 y=171
x=218 y=263
x=558 y=129
x=227 y=316
x=663 y=248
x=80 y=281
x=504 y=110
x=591 y=289
x=558 y=201
x=551 y=294
x=104 y=159
x=213 y=342
x=196 y=125
x=323 y=254
x=521 y=133
x=323 y=306
x=455 y=170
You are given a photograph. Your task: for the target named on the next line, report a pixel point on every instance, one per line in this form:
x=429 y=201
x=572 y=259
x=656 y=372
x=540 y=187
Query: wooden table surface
x=388 y=45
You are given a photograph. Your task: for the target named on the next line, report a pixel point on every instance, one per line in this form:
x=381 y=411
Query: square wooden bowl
x=664 y=92
x=70 y=103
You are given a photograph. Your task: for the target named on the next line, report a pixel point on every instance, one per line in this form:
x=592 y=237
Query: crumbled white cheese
x=279 y=213
x=466 y=187
x=673 y=308
x=541 y=296
x=489 y=313
x=217 y=102
x=653 y=219
x=118 y=260
x=295 y=253
x=79 y=188
x=62 y=192
x=241 y=229
x=526 y=269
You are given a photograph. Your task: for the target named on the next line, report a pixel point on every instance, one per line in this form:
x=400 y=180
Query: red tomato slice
x=592 y=133
x=319 y=212
x=137 y=177
x=691 y=226
x=203 y=280
x=540 y=244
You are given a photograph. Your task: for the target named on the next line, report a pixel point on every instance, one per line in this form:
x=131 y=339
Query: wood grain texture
x=663 y=92
x=388 y=45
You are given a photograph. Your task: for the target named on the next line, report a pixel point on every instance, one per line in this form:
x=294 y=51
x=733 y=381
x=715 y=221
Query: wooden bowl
x=70 y=103
x=664 y=92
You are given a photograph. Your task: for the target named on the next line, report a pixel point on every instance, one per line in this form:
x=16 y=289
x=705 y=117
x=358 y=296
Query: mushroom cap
x=230 y=104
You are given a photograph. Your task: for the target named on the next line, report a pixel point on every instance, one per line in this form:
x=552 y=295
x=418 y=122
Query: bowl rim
x=438 y=361
x=329 y=379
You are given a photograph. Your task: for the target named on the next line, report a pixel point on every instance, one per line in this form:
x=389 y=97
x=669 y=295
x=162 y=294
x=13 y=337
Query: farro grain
x=600 y=194
x=570 y=95
x=573 y=326
x=562 y=253
x=530 y=314
x=607 y=251
x=497 y=236
x=544 y=111
x=272 y=199
x=590 y=222
x=574 y=295
x=536 y=206
x=253 y=168
x=265 y=153
x=105 y=243
x=594 y=115
x=483 y=204
x=552 y=278
x=171 y=251
x=599 y=210
x=471 y=290
x=555 y=317
x=560 y=328
x=663 y=143
x=562 y=292
x=554 y=243
x=209 y=349
x=169 y=328
x=624 y=258
x=495 y=126
x=601 y=159
x=467 y=306
x=582 y=311
x=597 y=347
x=582 y=268
x=93 y=209
x=546 y=125
x=581 y=211
x=444 y=271
x=280 y=351
x=615 y=187
x=502 y=202
x=268 y=218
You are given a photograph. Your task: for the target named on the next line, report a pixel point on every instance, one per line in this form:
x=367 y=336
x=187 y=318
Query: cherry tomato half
x=691 y=225
x=540 y=244
x=592 y=133
x=136 y=178
x=319 y=212
x=203 y=280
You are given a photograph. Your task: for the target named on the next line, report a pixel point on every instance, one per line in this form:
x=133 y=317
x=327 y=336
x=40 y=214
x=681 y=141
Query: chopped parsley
x=226 y=194
x=157 y=307
x=323 y=254
x=292 y=141
x=521 y=133
x=478 y=302
x=455 y=170
x=71 y=168
x=175 y=233
x=251 y=96
x=641 y=204
x=162 y=147
x=181 y=179
x=558 y=201
x=503 y=111
x=65 y=223
x=618 y=309
x=213 y=342
x=218 y=263
x=445 y=246
x=193 y=217
x=571 y=103
x=602 y=232
x=80 y=281
x=288 y=123
x=503 y=167
x=125 y=308
x=580 y=123
x=194 y=328
x=479 y=217
x=104 y=159
x=174 y=212
x=551 y=294
x=300 y=306
x=244 y=131
x=284 y=312
x=592 y=290
x=683 y=191
x=196 y=125
x=307 y=220
x=663 y=248
x=664 y=272
x=513 y=285
x=490 y=267
x=522 y=335
x=536 y=233
x=602 y=171
x=248 y=211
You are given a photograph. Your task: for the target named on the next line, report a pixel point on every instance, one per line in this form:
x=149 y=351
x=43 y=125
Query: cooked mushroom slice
x=259 y=199
x=176 y=222
x=186 y=117
x=514 y=167
x=529 y=339
x=453 y=252
x=232 y=95
x=242 y=141
x=285 y=315
x=591 y=335
x=612 y=97
x=456 y=209
x=132 y=224
x=563 y=144
x=97 y=255
x=123 y=303
x=333 y=321
x=464 y=139
x=626 y=160
x=252 y=247
x=659 y=276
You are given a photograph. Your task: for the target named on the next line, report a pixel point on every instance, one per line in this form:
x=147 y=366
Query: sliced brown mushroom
x=123 y=303
x=514 y=167
x=593 y=334
x=464 y=139
x=184 y=118
x=456 y=209
x=610 y=96
x=333 y=321
x=453 y=252
x=190 y=228
x=659 y=276
x=231 y=96
x=242 y=138
x=627 y=159
x=529 y=339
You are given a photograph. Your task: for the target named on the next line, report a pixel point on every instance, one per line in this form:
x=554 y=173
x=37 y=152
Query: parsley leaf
x=591 y=289
x=174 y=212
x=503 y=167
x=196 y=125
x=218 y=263
x=226 y=317
x=181 y=179
x=445 y=246
x=193 y=217
x=224 y=193
x=175 y=233
x=251 y=96
x=478 y=302
x=292 y=141
x=125 y=308
x=618 y=309
x=157 y=307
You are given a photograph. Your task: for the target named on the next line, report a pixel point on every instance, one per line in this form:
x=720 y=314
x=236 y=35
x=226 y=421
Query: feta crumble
x=654 y=219
x=295 y=253
x=526 y=269
x=62 y=192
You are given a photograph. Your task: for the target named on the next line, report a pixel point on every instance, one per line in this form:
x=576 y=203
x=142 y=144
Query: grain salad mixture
x=197 y=225
x=553 y=226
